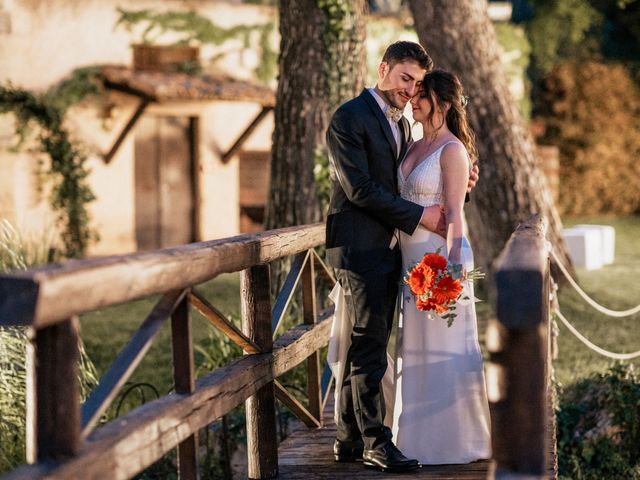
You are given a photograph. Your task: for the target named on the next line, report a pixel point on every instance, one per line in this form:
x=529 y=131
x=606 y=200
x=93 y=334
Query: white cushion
x=584 y=246
x=608 y=241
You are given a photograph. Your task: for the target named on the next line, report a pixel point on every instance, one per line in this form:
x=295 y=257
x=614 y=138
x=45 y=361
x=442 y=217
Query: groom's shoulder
x=352 y=110
x=355 y=104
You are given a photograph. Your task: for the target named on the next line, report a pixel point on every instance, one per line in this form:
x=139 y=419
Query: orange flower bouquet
x=438 y=284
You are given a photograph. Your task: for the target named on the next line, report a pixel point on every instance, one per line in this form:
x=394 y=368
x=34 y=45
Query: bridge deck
x=306 y=454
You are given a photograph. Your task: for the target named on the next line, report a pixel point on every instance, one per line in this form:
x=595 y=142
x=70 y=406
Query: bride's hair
x=446 y=88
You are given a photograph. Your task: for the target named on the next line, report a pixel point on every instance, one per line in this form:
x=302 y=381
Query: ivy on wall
x=67 y=162
x=190 y=27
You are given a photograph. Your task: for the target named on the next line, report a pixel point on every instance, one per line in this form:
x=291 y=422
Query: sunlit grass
x=105 y=333
x=19 y=251
x=615 y=286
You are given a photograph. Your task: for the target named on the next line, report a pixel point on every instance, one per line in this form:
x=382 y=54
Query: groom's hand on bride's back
x=433 y=219
x=474 y=175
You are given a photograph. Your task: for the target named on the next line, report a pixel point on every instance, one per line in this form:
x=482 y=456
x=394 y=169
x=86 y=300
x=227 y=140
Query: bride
x=435 y=390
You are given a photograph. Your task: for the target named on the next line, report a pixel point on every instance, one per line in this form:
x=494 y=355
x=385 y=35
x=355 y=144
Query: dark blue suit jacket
x=365 y=206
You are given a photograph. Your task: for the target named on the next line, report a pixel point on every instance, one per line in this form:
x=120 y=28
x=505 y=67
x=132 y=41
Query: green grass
x=615 y=286
x=107 y=331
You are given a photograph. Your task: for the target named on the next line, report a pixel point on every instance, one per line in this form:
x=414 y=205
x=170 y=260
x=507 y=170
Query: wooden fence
x=62 y=439
x=64 y=443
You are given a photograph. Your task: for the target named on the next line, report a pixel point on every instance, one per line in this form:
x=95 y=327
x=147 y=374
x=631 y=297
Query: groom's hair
x=403 y=51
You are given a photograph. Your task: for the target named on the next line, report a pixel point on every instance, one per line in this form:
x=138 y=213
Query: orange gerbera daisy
x=430 y=304
x=435 y=261
x=447 y=290
x=420 y=279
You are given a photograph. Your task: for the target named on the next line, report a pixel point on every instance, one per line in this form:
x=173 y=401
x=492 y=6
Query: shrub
x=591 y=111
x=598 y=427
x=18 y=252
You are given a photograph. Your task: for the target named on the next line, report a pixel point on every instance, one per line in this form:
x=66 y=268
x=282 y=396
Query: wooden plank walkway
x=307 y=454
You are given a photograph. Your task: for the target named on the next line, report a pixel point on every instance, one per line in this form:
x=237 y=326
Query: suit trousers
x=371 y=299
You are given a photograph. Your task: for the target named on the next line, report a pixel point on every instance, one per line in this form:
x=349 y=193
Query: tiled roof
x=161 y=87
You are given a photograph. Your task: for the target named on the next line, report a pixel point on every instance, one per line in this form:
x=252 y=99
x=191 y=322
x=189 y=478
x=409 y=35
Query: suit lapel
x=384 y=123
x=405 y=131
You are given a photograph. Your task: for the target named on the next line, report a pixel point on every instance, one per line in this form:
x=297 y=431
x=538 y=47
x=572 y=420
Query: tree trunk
x=458 y=34
x=322 y=63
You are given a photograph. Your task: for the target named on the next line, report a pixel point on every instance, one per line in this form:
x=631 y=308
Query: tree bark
x=460 y=37
x=322 y=63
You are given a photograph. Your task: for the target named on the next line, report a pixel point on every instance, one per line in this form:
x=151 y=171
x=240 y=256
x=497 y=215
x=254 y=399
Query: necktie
x=393 y=113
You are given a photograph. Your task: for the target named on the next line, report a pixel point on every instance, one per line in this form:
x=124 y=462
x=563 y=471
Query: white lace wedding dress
x=441 y=412
x=435 y=395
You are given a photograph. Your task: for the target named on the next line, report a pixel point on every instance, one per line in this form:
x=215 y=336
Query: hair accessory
x=464 y=100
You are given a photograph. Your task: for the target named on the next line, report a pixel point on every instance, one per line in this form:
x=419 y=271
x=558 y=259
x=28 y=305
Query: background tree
x=460 y=37
x=322 y=64
x=585 y=66
x=591 y=111
x=592 y=30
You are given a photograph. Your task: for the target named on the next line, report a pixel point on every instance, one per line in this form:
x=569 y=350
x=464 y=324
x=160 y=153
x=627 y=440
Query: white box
x=608 y=241
x=584 y=246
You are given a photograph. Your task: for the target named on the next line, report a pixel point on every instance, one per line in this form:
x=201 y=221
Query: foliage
x=591 y=113
x=17 y=252
x=576 y=30
x=515 y=61
x=190 y=27
x=559 y=29
x=340 y=30
x=214 y=352
x=67 y=160
x=12 y=397
x=620 y=36
x=322 y=174
x=598 y=428
x=267 y=68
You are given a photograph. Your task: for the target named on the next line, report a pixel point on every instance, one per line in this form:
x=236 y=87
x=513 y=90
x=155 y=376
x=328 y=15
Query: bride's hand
x=474 y=176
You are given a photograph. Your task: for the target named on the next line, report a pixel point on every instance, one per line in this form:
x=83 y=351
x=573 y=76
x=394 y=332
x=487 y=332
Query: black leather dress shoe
x=388 y=458
x=348 y=451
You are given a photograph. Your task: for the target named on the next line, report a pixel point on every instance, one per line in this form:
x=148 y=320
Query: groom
x=367 y=138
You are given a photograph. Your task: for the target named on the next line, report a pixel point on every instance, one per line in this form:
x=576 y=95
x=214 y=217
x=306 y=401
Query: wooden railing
x=64 y=443
x=520 y=353
x=62 y=439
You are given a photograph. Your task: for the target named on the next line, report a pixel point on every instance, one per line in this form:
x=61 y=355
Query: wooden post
x=247 y=132
x=309 y=309
x=53 y=393
x=518 y=370
x=142 y=106
x=262 y=439
x=184 y=381
x=194 y=153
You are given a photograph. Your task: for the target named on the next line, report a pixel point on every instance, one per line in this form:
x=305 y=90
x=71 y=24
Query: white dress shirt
x=395 y=128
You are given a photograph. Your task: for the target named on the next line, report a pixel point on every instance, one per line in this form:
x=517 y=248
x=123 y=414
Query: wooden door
x=165 y=181
x=254 y=189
